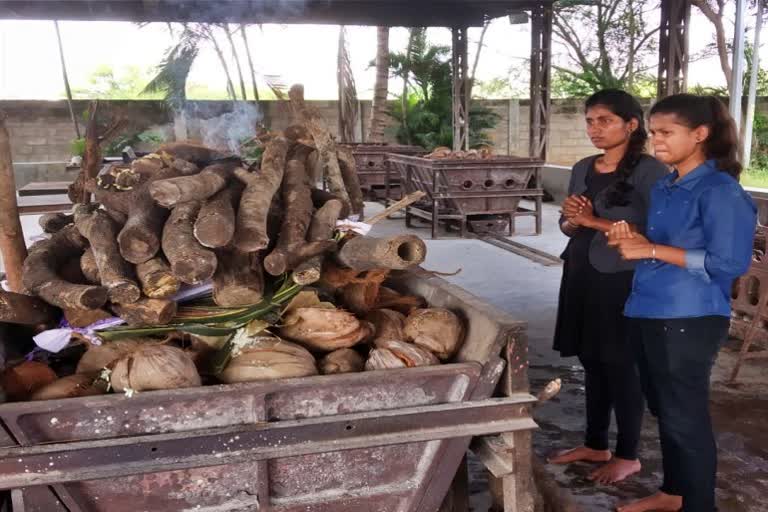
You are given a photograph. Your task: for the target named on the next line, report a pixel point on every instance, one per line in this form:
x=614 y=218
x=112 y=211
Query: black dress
x=590 y=314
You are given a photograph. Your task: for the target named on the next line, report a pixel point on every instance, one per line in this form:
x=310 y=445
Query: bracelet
x=653 y=253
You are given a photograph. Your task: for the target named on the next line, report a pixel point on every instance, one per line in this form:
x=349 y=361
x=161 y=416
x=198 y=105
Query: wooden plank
x=97 y=459
x=44 y=188
x=30 y=205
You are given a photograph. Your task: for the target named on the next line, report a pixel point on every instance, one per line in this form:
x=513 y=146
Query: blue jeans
x=675 y=359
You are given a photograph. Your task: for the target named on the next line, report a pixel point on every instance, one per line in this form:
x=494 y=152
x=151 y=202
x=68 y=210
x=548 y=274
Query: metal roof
x=408 y=13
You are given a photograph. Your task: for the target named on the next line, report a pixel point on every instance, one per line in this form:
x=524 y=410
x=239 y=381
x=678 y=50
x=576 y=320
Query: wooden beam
x=12 y=245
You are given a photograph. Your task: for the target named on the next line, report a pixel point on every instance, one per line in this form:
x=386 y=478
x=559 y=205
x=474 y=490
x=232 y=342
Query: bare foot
x=615 y=471
x=660 y=502
x=579 y=454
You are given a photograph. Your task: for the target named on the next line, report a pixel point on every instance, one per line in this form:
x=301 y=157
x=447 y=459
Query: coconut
x=79 y=384
x=267 y=358
x=383 y=359
x=20 y=381
x=100 y=356
x=436 y=329
x=388 y=324
x=154 y=367
x=344 y=360
x=324 y=329
x=390 y=299
x=412 y=355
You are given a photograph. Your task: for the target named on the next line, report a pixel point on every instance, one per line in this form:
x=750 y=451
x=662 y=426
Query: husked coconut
x=324 y=329
x=267 y=358
x=20 y=381
x=71 y=386
x=100 y=356
x=388 y=324
x=344 y=360
x=383 y=359
x=436 y=329
x=412 y=355
x=154 y=367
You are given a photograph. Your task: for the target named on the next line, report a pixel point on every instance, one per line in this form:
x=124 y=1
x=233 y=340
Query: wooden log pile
x=187 y=214
x=260 y=235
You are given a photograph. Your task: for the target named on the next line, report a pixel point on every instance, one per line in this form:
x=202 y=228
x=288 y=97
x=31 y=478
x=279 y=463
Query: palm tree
x=250 y=61
x=236 y=58
x=380 y=89
x=348 y=107
x=173 y=70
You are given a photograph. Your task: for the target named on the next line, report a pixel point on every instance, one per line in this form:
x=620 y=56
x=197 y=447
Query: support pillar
x=460 y=77
x=673 y=47
x=541 y=57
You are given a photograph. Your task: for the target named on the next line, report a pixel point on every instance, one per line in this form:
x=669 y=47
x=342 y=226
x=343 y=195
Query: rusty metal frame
x=673 y=47
x=541 y=59
x=460 y=79
x=93 y=460
x=433 y=177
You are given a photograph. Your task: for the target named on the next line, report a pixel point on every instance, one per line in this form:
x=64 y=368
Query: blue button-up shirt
x=713 y=219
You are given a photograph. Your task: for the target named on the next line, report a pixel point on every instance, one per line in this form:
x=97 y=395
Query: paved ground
x=529 y=291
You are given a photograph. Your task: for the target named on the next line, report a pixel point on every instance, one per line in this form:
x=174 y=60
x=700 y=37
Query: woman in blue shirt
x=698 y=240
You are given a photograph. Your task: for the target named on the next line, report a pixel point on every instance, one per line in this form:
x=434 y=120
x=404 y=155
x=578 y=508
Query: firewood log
x=351 y=180
x=198 y=187
x=191 y=152
x=239 y=280
x=89 y=267
x=146 y=311
x=40 y=275
x=140 y=237
x=215 y=224
x=16 y=308
x=321 y=228
x=320 y=197
x=397 y=252
x=115 y=273
x=326 y=147
x=85 y=317
x=292 y=247
x=53 y=222
x=251 y=228
x=190 y=261
x=157 y=279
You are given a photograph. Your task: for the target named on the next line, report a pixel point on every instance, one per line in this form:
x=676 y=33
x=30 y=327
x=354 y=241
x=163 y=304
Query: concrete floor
x=528 y=291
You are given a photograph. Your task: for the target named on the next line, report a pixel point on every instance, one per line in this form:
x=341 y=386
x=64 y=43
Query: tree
x=173 y=70
x=105 y=82
x=425 y=112
x=348 y=106
x=381 y=87
x=714 y=10
x=608 y=44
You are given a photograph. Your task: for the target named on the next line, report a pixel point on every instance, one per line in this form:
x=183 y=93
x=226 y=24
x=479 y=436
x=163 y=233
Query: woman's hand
x=578 y=210
x=621 y=230
x=631 y=245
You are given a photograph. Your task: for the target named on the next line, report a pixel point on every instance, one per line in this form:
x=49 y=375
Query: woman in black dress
x=596 y=283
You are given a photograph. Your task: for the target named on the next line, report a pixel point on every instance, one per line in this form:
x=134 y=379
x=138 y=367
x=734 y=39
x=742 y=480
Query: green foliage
x=609 y=44
x=105 y=82
x=429 y=106
x=173 y=70
x=77 y=147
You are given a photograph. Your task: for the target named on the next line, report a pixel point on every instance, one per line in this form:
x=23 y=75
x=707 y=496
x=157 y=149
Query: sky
x=30 y=68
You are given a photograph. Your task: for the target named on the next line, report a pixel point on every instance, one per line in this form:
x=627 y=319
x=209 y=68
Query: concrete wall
x=42 y=131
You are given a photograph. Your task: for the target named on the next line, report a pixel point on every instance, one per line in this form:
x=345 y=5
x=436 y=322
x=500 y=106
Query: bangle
x=653 y=253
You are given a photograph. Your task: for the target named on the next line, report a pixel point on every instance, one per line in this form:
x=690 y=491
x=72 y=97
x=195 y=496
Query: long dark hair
x=625 y=106
x=723 y=142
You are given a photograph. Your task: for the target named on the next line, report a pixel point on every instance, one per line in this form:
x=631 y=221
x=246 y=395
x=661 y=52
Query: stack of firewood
x=187 y=214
